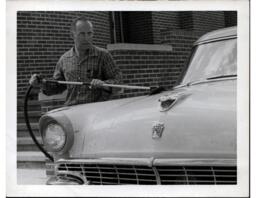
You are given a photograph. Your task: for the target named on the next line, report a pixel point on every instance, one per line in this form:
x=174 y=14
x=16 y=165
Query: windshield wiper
x=205 y=80
x=221 y=76
x=190 y=83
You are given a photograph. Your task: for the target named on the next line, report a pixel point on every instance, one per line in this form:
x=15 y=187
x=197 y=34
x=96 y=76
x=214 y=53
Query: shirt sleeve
x=55 y=88
x=58 y=72
x=111 y=72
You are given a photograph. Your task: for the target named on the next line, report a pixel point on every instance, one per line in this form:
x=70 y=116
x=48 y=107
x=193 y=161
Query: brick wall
x=186 y=20
x=164 y=20
x=199 y=21
x=42 y=37
x=208 y=21
x=145 y=65
x=230 y=18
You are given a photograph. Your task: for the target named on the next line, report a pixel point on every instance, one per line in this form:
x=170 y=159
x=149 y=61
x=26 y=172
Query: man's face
x=83 y=35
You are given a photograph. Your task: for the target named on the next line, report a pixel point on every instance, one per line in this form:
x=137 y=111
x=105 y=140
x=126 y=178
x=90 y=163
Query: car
x=185 y=135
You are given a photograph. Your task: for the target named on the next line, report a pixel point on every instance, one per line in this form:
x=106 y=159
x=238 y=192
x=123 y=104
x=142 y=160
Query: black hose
x=29 y=127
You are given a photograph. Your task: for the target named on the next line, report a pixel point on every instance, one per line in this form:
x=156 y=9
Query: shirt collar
x=92 y=52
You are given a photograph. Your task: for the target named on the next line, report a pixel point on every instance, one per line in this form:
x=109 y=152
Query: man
x=83 y=62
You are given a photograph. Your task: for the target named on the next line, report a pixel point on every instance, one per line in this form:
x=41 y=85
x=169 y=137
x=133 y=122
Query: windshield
x=212 y=60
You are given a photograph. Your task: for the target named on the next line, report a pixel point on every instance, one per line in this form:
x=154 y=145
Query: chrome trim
x=151 y=162
x=175 y=97
x=214 y=40
x=117 y=161
x=67 y=178
x=157 y=130
x=158 y=179
x=195 y=162
x=214 y=80
x=220 y=33
x=165 y=98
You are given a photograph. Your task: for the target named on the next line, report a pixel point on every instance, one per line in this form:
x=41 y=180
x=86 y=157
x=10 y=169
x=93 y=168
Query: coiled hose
x=29 y=126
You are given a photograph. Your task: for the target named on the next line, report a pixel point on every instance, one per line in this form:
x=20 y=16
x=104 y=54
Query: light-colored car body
x=189 y=129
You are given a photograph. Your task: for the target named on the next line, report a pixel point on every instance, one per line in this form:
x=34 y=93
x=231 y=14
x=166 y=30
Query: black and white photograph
x=144 y=101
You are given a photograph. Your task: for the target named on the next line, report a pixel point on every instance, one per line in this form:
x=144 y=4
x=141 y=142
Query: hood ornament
x=168 y=101
x=157 y=130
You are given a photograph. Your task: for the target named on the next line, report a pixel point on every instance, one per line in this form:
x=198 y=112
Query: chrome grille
x=197 y=175
x=103 y=174
x=113 y=174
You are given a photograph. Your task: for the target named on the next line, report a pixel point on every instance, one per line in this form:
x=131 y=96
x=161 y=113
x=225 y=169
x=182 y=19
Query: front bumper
x=66 y=178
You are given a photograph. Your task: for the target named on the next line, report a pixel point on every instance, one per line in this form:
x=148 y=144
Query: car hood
x=200 y=124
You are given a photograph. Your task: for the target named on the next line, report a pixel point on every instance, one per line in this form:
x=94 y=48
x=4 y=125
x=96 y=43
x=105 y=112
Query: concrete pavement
x=31 y=176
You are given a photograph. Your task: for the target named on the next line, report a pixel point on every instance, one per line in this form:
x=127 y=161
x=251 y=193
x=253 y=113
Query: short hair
x=82 y=18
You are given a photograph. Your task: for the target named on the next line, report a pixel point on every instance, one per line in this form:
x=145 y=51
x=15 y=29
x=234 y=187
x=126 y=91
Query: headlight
x=57 y=132
x=54 y=137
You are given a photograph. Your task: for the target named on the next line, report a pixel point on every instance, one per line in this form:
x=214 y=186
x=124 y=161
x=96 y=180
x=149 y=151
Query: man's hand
x=35 y=80
x=96 y=83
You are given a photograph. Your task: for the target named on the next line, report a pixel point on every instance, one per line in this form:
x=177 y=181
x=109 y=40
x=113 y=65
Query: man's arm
x=111 y=74
x=55 y=88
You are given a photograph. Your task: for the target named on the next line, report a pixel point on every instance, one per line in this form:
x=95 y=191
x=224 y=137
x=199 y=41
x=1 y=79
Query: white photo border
x=241 y=189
